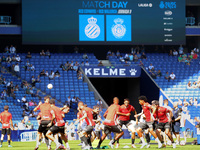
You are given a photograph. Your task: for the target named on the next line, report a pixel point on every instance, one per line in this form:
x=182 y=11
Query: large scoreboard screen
x=125 y=22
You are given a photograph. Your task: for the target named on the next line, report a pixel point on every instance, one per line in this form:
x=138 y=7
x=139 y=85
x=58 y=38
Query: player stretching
x=6 y=121
x=124 y=118
x=110 y=123
x=147 y=109
x=164 y=122
x=88 y=118
x=59 y=126
x=46 y=119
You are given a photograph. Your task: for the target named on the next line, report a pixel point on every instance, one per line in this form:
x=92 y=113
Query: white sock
x=57 y=143
x=50 y=141
x=185 y=139
x=37 y=142
x=157 y=140
x=142 y=139
x=67 y=145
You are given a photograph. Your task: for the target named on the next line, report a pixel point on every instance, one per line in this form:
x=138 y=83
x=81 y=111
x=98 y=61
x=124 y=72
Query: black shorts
x=56 y=129
x=88 y=129
x=97 y=133
x=155 y=125
x=146 y=125
x=72 y=134
x=6 y=130
x=176 y=128
x=163 y=126
x=79 y=129
x=126 y=123
x=109 y=129
x=43 y=126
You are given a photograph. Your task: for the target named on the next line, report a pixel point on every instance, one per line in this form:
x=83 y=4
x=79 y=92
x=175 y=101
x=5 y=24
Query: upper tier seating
x=176 y=89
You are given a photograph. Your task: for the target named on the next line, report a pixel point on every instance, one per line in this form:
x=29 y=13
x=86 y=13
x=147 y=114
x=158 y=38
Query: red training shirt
x=46 y=113
x=125 y=110
x=147 y=112
x=89 y=119
x=161 y=114
x=5 y=118
x=58 y=116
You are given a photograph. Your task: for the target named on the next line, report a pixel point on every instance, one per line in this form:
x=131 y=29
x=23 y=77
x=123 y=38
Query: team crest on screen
x=118 y=30
x=92 y=30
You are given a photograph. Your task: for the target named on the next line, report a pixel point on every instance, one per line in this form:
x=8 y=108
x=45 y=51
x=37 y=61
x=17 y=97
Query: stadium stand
x=69 y=85
x=176 y=89
x=14 y=105
x=66 y=85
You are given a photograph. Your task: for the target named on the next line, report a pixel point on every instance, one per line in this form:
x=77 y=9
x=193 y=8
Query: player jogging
x=147 y=110
x=164 y=122
x=111 y=124
x=7 y=124
x=124 y=118
x=59 y=126
x=46 y=119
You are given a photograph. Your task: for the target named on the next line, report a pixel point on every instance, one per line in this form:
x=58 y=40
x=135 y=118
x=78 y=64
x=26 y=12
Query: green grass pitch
x=73 y=145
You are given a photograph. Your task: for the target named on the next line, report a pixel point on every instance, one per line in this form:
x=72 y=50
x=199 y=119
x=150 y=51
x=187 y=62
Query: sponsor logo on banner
x=168 y=23
x=145 y=5
x=112 y=72
x=28 y=136
x=168 y=29
x=168 y=18
x=133 y=72
x=168 y=40
x=168 y=13
x=168 y=35
x=169 y=5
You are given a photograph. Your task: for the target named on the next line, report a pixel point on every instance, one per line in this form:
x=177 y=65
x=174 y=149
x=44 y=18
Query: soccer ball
x=49 y=86
x=182 y=143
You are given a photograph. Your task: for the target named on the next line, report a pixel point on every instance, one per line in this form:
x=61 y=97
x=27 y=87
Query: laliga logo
x=133 y=72
x=118 y=30
x=92 y=30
